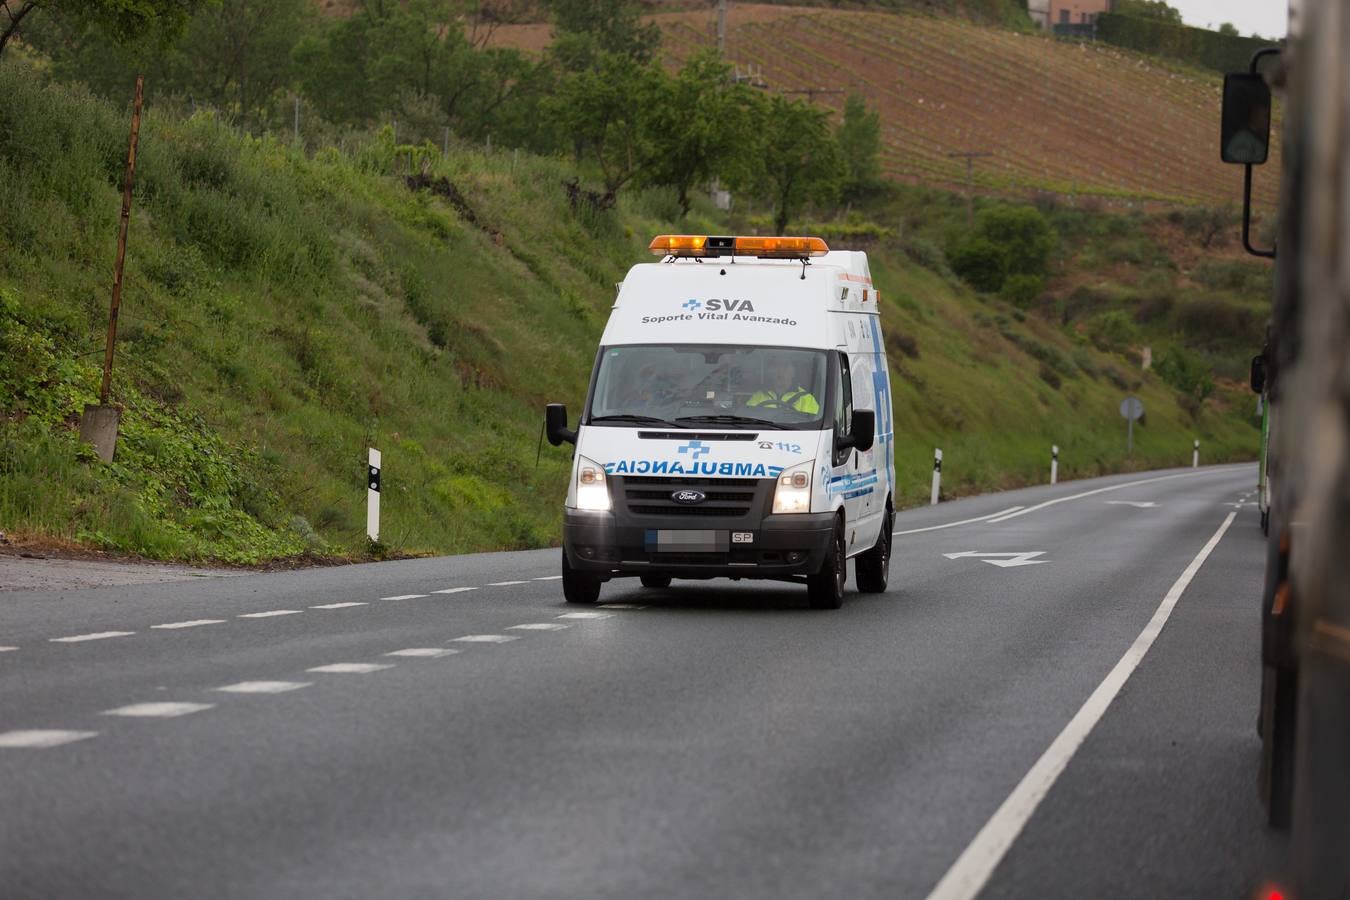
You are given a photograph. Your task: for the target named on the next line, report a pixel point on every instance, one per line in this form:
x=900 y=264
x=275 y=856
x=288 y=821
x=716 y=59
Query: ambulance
x=737 y=424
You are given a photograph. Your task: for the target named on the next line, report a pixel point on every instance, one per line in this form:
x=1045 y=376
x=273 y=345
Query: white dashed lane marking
x=504 y=583
x=586 y=615
x=548 y=578
x=7 y=649
x=190 y=624
x=540 y=626
x=404 y=597
x=264 y=687
x=486 y=638
x=432 y=652
x=458 y=590
x=351 y=668
x=96 y=636
x=270 y=613
x=338 y=605
x=157 y=710
x=41 y=739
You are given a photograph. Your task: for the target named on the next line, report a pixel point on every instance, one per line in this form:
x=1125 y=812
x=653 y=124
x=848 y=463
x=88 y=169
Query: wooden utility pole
x=969 y=157
x=128 y=179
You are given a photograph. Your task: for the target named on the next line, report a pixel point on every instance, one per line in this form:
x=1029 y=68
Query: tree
x=125 y=21
x=586 y=30
x=700 y=127
x=1007 y=241
x=607 y=110
x=797 y=159
x=1230 y=29
x=859 y=138
x=1149 y=9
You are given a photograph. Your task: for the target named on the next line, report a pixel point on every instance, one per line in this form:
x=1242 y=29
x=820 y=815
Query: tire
x=578 y=587
x=656 y=581
x=825 y=589
x=1279 y=702
x=1265 y=523
x=874 y=566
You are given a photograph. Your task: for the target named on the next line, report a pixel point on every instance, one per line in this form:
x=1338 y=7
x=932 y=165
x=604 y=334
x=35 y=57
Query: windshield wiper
x=734 y=420
x=635 y=419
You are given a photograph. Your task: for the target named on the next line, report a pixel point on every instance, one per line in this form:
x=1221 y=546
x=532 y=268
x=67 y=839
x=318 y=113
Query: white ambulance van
x=737 y=424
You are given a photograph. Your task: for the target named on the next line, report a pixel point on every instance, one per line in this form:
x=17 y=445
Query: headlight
x=592 y=488
x=792 y=493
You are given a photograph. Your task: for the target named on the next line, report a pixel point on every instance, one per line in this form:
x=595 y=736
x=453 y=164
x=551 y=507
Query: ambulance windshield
x=702 y=386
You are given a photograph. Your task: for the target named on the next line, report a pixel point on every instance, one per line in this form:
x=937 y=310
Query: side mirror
x=555 y=425
x=1258 y=373
x=1245 y=132
x=864 y=429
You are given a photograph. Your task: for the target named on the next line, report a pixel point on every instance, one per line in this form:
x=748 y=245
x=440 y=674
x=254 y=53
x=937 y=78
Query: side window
x=843 y=409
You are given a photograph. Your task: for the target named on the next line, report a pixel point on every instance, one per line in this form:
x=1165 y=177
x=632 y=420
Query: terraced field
x=1061 y=117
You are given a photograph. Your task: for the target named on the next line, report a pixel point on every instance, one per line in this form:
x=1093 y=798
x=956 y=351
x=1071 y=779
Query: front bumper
x=616 y=544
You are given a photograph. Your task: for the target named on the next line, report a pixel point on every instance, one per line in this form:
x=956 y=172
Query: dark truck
x=1303 y=375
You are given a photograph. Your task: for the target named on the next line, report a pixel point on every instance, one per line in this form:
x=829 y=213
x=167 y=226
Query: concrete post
x=1195 y=455
x=373 y=496
x=937 y=476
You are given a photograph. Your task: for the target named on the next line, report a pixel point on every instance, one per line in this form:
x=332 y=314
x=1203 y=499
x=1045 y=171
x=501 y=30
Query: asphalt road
x=451 y=728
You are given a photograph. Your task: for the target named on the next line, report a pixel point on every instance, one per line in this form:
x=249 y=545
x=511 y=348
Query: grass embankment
x=282 y=313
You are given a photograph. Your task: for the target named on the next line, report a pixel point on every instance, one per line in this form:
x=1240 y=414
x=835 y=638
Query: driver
x=782 y=390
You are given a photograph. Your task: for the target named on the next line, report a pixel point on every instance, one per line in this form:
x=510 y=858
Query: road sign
x=1132 y=408
x=1002 y=560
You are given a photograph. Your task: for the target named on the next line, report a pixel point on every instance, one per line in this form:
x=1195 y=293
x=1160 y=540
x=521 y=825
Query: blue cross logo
x=691 y=304
x=694 y=448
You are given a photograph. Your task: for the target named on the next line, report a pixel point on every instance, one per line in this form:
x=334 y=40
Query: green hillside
x=283 y=311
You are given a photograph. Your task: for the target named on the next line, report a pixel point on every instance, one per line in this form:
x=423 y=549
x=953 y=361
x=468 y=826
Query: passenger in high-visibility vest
x=784 y=391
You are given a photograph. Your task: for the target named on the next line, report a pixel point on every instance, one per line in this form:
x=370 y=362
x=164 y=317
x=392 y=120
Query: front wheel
x=825 y=590
x=874 y=566
x=578 y=587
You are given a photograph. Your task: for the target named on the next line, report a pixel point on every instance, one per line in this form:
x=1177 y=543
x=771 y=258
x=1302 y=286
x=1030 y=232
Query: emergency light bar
x=699 y=245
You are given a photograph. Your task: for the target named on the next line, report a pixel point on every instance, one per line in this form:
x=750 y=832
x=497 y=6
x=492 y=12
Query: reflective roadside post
x=1195 y=455
x=937 y=475
x=373 y=496
x=1054 y=463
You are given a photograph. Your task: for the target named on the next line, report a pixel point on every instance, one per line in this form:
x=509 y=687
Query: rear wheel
x=874 y=566
x=656 y=581
x=1279 y=701
x=578 y=587
x=825 y=590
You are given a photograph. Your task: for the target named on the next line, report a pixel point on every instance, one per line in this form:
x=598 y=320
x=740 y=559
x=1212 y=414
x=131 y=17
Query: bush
x=1198 y=46
x=1113 y=330
x=1022 y=290
x=979 y=263
x=1186 y=373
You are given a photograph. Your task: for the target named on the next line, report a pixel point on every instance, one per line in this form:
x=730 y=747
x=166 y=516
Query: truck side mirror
x=1245 y=132
x=1258 y=373
x=555 y=425
x=864 y=429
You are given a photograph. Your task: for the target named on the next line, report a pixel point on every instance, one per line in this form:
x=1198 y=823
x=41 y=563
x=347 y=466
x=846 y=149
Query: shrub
x=1021 y=290
x=1113 y=330
x=979 y=263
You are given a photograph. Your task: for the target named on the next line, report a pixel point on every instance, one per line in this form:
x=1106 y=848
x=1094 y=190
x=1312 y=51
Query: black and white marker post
x=1054 y=463
x=937 y=475
x=1195 y=455
x=373 y=496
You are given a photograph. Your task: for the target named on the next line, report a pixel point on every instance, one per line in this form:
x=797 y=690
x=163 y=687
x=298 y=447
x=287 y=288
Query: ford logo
x=688 y=497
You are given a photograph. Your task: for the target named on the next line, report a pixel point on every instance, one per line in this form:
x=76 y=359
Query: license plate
x=664 y=540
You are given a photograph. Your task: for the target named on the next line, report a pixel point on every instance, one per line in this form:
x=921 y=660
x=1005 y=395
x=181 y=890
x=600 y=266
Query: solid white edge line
x=457 y=590
x=349 y=603
x=1113 y=487
x=270 y=613
x=973 y=868
x=954 y=524
x=547 y=578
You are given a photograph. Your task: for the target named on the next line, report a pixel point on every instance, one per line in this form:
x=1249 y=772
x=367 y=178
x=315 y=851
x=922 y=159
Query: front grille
x=646 y=495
